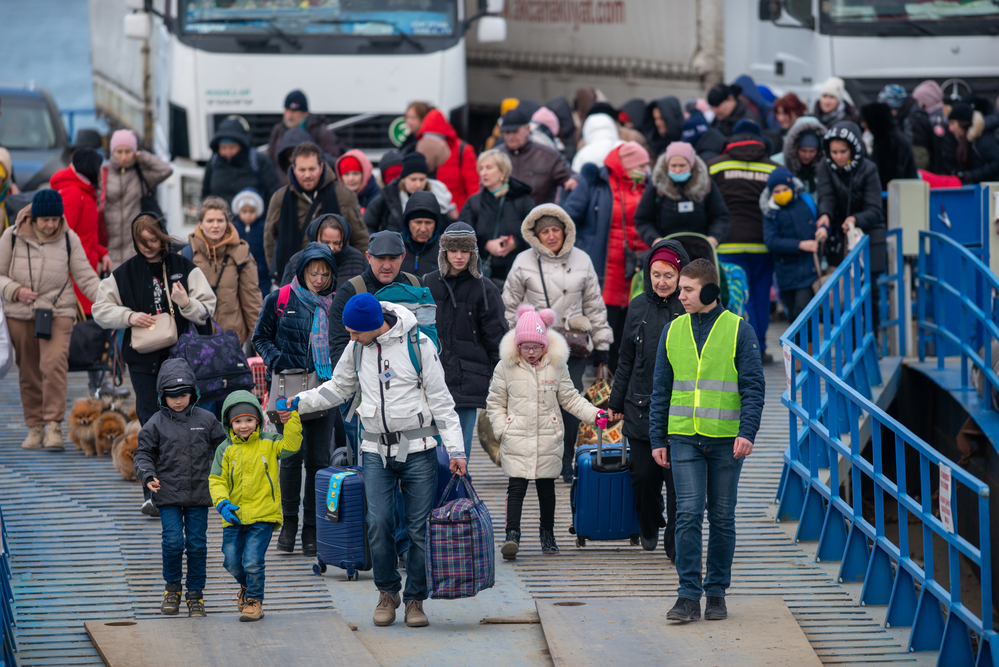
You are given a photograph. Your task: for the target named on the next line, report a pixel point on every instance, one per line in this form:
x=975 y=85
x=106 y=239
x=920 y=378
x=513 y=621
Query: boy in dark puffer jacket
x=174 y=459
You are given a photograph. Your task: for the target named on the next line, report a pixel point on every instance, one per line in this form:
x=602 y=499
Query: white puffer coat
x=523 y=408
x=569 y=277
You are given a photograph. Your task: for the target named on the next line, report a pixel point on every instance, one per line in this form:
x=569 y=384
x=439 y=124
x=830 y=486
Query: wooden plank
x=759 y=631
x=314 y=638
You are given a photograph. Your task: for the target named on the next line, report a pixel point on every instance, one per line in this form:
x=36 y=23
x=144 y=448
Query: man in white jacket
x=403 y=408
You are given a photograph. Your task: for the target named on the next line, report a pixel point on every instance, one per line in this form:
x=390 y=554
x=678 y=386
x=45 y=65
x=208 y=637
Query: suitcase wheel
x=580 y=541
x=635 y=541
x=353 y=574
x=320 y=567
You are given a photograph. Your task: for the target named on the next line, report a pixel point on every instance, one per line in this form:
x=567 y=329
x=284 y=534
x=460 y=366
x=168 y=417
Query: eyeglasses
x=531 y=349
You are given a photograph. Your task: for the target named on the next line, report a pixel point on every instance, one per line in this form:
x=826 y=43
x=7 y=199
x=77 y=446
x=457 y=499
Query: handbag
x=288 y=383
x=89 y=346
x=43 y=316
x=163 y=333
x=148 y=203
x=578 y=341
x=461 y=552
x=217 y=359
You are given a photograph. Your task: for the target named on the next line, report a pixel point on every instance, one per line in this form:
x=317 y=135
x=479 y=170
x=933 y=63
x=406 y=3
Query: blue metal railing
x=7 y=644
x=833 y=365
x=893 y=284
x=975 y=296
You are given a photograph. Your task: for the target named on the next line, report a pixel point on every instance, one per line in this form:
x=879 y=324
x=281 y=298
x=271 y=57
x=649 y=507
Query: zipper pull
x=264 y=459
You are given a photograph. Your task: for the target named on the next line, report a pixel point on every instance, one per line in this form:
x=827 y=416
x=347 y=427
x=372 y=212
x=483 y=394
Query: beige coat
x=572 y=282
x=234 y=271
x=523 y=408
x=122 y=198
x=50 y=269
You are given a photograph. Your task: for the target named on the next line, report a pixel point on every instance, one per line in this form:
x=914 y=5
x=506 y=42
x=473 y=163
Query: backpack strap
x=357 y=282
x=461 y=152
x=413 y=280
x=416 y=354
x=284 y=294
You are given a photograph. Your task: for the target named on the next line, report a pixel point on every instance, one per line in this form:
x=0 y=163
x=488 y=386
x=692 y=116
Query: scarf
x=290 y=228
x=319 y=337
x=230 y=236
x=501 y=190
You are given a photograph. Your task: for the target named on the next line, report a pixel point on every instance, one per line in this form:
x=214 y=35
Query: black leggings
x=647 y=479
x=319 y=437
x=516 y=490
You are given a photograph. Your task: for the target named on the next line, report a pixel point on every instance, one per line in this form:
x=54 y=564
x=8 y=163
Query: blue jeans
x=467 y=418
x=759 y=269
x=184 y=528
x=244 y=548
x=417 y=478
x=701 y=470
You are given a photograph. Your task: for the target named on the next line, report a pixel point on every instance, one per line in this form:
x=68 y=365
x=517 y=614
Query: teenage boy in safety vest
x=707 y=400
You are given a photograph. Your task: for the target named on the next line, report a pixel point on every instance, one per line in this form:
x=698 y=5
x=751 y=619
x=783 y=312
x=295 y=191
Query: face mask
x=783 y=198
x=682 y=177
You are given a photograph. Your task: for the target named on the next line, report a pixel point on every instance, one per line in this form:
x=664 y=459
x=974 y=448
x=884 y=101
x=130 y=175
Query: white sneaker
x=149 y=509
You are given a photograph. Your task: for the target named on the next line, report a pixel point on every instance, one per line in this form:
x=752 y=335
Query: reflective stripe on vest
x=744 y=166
x=705 y=399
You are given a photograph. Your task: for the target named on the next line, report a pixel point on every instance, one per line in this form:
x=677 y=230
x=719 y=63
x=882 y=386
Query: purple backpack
x=217 y=360
x=461 y=555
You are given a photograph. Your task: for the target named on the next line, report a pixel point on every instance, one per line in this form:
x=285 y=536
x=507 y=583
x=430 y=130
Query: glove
x=283 y=406
x=601 y=419
x=228 y=511
x=601 y=356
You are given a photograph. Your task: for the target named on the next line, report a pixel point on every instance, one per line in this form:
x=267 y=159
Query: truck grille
x=370 y=133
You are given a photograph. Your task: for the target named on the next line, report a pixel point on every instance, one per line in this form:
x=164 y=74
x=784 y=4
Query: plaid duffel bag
x=461 y=556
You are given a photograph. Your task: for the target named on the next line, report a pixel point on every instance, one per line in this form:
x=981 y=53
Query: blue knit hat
x=363 y=312
x=46 y=204
x=893 y=95
x=780 y=176
x=746 y=126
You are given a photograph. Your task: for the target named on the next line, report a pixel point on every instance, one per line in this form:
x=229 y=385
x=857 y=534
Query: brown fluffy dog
x=132 y=427
x=110 y=425
x=131 y=414
x=83 y=424
x=123 y=454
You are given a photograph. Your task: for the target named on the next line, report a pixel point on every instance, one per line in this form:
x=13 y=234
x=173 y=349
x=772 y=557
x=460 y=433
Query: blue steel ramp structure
x=887 y=513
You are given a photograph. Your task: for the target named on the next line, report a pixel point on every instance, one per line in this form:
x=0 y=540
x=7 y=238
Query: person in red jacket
x=458 y=172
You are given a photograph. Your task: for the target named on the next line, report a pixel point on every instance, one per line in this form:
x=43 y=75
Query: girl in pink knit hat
x=529 y=385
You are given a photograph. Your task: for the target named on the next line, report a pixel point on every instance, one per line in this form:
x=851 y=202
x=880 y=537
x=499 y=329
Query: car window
x=25 y=124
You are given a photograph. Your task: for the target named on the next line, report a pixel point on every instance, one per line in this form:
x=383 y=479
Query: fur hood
x=977 y=128
x=767 y=204
x=696 y=189
x=527 y=230
x=801 y=126
x=557 y=352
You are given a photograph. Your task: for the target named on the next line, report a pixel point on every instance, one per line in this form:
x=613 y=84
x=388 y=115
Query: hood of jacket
x=747 y=147
x=557 y=352
x=26 y=230
x=366 y=167
x=435 y=123
x=672 y=113
x=312 y=251
x=878 y=118
x=242 y=396
x=232 y=130
x=177 y=372
x=421 y=201
x=527 y=230
x=793 y=137
x=600 y=128
x=676 y=247
x=695 y=189
x=849 y=132
x=68 y=178
x=560 y=107
x=312 y=231
x=635 y=110
x=767 y=204
x=930 y=95
x=405 y=320
x=980 y=125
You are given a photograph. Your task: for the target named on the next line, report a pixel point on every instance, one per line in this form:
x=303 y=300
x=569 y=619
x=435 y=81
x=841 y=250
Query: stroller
x=732 y=278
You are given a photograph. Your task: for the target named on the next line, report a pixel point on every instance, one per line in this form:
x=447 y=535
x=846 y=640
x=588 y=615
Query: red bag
x=936 y=181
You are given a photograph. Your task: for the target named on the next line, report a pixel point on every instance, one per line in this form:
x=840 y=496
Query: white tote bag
x=6 y=346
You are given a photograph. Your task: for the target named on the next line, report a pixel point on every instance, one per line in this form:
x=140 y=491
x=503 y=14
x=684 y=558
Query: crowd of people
x=580 y=234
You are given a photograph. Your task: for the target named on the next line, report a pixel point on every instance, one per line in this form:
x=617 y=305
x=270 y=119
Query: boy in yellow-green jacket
x=246 y=492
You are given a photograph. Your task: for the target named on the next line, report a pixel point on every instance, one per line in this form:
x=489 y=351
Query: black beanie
x=414 y=163
x=87 y=163
x=961 y=111
x=604 y=108
x=720 y=92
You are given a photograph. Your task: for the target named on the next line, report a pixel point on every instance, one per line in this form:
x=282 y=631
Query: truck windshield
x=939 y=17
x=26 y=125
x=364 y=18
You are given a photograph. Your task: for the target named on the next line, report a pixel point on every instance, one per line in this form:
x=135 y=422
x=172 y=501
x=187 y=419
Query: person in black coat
x=285 y=341
x=496 y=212
x=471 y=321
x=706 y=140
x=235 y=165
x=648 y=315
x=730 y=108
x=970 y=148
x=663 y=124
x=334 y=231
x=892 y=151
x=421 y=228
x=679 y=203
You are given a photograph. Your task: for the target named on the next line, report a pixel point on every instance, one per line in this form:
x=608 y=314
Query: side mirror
x=769 y=10
x=138 y=26
x=491 y=29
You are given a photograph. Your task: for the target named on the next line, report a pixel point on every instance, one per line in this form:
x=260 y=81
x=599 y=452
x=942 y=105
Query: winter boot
x=241 y=598
x=548 y=546
x=289 y=529
x=53 y=437
x=253 y=611
x=309 y=541
x=415 y=618
x=650 y=543
x=35 y=439
x=171 y=601
x=511 y=546
x=195 y=605
x=385 y=611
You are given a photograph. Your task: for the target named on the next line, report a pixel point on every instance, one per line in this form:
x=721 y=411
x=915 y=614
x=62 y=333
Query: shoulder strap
x=69 y=258
x=543 y=286
x=284 y=294
x=413 y=280
x=225 y=261
x=461 y=152
x=416 y=354
x=357 y=282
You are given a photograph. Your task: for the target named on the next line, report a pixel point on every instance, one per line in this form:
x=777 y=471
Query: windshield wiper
x=272 y=24
x=396 y=30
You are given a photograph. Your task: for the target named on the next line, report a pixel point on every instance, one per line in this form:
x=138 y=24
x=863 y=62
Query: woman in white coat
x=555 y=274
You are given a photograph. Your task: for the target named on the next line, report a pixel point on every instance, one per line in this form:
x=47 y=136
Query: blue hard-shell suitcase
x=603 y=504
x=342 y=543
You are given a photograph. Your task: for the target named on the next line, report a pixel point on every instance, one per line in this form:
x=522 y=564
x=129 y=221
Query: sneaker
x=149 y=509
x=685 y=609
x=766 y=358
x=195 y=605
x=53 y=437
x=309 y=547
x=548 y=546
x=511 y=546
x=715 y=609
x=415 y=618
x=35 y=439
x=385 y=611
x=171 y=602
x=241 y=598
x=650 y=543
x=253 y=611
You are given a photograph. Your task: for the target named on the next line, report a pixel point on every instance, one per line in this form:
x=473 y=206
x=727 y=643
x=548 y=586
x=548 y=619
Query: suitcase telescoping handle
x=600 y=450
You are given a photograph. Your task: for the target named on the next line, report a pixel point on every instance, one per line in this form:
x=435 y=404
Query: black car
x=31 y=129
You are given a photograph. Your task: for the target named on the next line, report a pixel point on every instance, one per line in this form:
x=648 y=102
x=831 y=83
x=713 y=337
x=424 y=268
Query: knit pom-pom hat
x=532 y=326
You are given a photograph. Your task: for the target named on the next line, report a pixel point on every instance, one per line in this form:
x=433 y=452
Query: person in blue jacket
x=789 y=234
x=248 y=206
